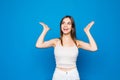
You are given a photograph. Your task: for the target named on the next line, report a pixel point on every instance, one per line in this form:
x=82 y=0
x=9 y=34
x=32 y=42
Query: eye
x=63 y=22
x=69 y=23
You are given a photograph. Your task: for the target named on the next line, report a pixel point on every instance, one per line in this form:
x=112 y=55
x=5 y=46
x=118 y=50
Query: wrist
x=87 y=31
x=45 y=30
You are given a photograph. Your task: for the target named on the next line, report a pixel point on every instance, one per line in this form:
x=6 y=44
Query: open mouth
x=65 y=29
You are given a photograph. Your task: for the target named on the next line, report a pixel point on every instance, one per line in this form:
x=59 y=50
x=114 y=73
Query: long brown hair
x=73 y=31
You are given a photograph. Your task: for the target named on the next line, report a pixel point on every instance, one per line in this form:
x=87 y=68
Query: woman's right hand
x=46 y=28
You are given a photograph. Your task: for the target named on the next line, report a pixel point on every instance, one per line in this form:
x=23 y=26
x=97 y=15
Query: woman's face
x=66 y=26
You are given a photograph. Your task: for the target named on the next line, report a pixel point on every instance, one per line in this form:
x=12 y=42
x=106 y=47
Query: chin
x=66 y=32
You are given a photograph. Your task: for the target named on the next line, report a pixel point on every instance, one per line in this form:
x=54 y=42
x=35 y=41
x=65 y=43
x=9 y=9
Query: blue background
x=20 y=29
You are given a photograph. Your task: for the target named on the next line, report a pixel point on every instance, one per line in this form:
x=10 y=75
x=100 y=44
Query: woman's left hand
x=87 y=28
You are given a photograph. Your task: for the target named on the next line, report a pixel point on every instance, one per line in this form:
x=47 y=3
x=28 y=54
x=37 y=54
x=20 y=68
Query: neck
x=66 y=36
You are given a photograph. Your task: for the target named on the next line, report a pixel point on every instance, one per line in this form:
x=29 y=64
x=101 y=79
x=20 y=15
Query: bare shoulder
x=79 y=42
x=55 y=40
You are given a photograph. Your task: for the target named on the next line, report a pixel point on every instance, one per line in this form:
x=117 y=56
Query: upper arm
x=83 y=45
x=49 y=43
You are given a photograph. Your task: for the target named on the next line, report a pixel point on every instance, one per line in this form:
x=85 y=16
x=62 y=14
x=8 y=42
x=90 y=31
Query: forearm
x=92 y=42
x=41 y=38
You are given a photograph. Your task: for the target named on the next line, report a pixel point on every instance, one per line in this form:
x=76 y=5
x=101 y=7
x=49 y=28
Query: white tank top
x=65 y=56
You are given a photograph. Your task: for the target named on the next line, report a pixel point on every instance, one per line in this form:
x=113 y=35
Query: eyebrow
x=68 y=21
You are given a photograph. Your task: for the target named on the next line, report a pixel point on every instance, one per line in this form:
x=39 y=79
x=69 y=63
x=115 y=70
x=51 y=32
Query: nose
x=65 y=25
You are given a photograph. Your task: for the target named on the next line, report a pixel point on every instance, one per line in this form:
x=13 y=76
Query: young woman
x=66 y=48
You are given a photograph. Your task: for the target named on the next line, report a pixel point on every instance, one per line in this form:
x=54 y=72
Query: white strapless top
x=66 y=56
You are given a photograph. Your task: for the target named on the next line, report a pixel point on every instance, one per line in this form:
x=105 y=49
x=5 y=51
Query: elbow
x=38 y=46
x=94 y=49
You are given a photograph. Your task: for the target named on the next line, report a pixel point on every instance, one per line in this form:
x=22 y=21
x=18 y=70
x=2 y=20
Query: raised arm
x=91 y=46
x=40 y=42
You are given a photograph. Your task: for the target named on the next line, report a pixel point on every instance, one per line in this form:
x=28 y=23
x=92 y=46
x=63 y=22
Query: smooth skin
x=67 y=40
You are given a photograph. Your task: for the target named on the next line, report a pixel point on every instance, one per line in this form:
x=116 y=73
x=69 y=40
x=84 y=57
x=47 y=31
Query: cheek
x=61 y=27
x=70 y=27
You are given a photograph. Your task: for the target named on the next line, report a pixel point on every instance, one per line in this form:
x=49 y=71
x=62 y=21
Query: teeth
x=65 y=29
